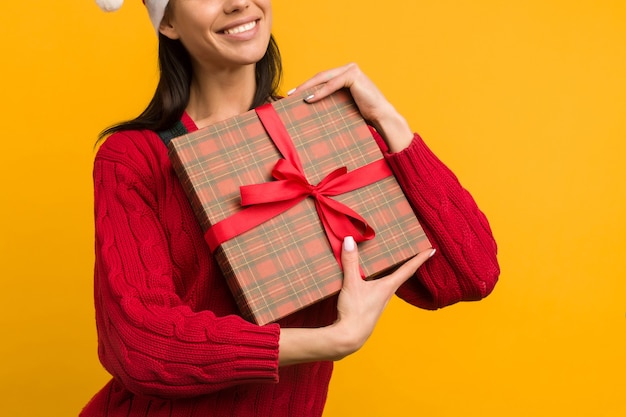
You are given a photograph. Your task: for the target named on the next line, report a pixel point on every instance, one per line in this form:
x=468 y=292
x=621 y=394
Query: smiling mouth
x=242 y=28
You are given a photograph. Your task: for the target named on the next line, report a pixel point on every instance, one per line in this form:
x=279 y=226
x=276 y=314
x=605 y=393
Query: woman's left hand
x=371 y=102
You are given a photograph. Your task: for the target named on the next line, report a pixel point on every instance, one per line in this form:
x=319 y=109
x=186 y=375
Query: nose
x=232 y=6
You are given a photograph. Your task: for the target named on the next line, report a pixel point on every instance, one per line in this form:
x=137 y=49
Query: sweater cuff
x=417 y=167
x=255 y=353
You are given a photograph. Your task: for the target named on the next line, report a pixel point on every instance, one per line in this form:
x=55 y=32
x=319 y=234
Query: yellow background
x=525 y=101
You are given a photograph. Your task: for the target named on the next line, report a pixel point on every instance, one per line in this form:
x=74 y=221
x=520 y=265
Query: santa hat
x=156 y=9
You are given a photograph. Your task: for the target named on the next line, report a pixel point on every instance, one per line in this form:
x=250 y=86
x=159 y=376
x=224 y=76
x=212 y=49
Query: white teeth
x=242 y=28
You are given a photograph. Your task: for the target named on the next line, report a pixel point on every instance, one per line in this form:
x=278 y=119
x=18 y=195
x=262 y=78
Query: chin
x=252 y=56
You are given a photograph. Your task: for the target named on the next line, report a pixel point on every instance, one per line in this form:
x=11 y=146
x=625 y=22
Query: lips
x=241 y=28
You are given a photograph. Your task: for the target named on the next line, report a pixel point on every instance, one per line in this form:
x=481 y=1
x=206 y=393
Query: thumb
x=350 y=259
x=408 y=269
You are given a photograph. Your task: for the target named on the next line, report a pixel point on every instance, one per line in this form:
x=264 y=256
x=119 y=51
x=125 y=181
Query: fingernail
x=290 y=92
x=309 y=97
x=432 y=253
x=348 y=243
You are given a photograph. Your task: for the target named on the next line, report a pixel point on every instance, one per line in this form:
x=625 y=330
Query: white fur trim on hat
x=156 y=9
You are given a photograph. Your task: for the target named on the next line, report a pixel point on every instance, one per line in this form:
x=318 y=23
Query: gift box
x=277 y=188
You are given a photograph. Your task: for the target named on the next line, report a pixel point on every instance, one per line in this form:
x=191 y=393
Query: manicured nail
x=290 y=92
x=309 y=97
x=432 y=253
x=348 y=243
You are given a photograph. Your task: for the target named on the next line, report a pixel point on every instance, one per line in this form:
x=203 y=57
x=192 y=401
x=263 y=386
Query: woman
x=168 y=327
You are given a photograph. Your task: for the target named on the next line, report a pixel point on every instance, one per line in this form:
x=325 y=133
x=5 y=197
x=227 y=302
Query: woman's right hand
x=360 y=305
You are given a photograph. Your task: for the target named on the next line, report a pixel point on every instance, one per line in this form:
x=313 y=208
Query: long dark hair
x=172 y=93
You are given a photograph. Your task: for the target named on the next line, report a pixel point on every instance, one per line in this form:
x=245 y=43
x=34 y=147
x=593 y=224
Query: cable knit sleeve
x=148 y=338
x=465 y=267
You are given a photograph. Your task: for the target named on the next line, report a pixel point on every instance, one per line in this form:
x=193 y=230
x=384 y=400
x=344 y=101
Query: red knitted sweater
x=168 y=327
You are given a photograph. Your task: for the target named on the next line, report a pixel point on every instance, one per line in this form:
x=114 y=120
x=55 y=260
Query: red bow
x=264 y=201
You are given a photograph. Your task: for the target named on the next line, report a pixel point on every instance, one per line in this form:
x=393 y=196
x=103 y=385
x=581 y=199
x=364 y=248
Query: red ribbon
x=267 y=200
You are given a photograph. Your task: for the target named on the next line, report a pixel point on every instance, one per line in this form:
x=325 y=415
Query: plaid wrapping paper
x=286 y=263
